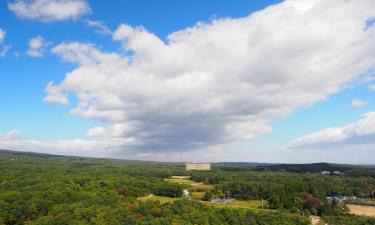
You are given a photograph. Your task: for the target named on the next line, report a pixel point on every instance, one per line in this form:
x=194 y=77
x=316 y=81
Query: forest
x=48 y=189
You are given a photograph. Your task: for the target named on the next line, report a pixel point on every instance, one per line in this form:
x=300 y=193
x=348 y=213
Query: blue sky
x=24 y=78
x=189 y=80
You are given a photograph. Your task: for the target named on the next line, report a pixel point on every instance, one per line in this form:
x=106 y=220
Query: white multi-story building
x=197 y=166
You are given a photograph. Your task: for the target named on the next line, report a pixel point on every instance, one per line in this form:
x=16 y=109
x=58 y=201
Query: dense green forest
x=46 y=189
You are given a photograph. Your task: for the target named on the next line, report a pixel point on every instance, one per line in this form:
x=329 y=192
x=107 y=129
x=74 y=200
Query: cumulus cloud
x=220 y=82
x=37 y=46
x=98 y=25
x=358 y=103
x=49 y=10
x=361 y=132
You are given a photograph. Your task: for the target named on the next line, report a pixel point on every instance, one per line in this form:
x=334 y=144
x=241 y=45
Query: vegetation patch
x=348 y=220
x=202 y=186
x=161 y=199
x=197 y=195
x=179 y=181
x=249 y=204
x=181 y=177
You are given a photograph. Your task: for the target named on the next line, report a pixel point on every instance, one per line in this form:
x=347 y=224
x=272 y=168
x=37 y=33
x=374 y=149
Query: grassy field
x=185 y=180
x=202 y=186
x=251 y=204
x=181 y=177
x=180 y=181
x=201 y=189
x=197 y=195
x=161 y=199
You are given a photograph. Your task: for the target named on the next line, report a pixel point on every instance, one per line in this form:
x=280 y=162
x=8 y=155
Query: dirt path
x=315 y=220
x=362 y=210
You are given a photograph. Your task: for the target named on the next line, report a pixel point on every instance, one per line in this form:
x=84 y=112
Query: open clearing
x=197 y=195
x=362 y=210
x=202 y=186
x=181 y=177
x=201 y=189
x=185 y=180
x=161 y=199
x=250 y=204
x=180 y=181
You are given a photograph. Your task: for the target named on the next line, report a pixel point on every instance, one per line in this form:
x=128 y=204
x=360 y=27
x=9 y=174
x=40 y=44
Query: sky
x=257 y=81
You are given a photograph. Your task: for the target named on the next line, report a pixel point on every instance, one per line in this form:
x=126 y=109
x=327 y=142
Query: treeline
x=32 y=188
x=56 y=191
x=349 y=220
x=296 y=168
x=182 y=212
x=299 y=193
x=308 y=168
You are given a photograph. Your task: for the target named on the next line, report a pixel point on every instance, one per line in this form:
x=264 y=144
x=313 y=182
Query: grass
x=179 y=181
x=251 y=204
x=197 y=195
x=202 y=186
x=181 y=177
x=185 y=180
x=370 y=200
x=161 y=199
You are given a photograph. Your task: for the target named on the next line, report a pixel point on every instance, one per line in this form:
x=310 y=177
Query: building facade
x=197 y=166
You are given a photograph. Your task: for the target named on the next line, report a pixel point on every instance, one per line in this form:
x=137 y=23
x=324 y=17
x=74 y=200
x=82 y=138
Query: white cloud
x=12 y=140
x=99 y=25
x=54 y=95
x=221 y=82
x=10 y=135
x=49 y=10
x=86 y=54
x=36 y=46
x=361 y=132
x=4 y=50
x=358 y=103
x=2 y=35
